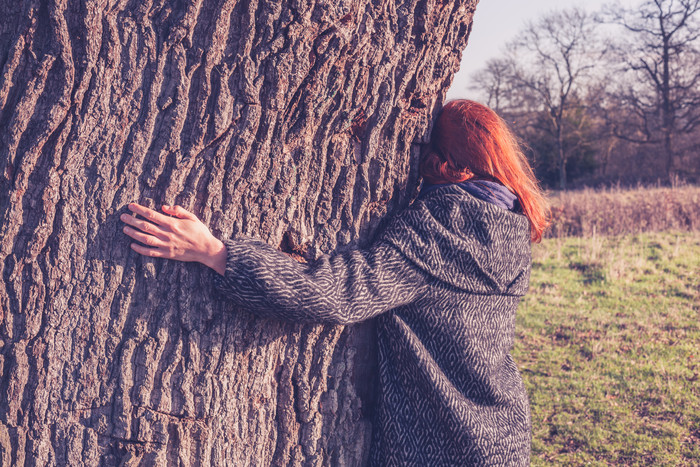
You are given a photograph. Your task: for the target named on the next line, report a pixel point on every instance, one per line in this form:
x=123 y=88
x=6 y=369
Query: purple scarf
x=485 y=190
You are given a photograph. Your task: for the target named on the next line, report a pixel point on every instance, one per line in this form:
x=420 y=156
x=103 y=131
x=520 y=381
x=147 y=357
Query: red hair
x=469 y=140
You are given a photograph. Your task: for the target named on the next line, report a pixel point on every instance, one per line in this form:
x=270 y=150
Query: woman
x=443 y=280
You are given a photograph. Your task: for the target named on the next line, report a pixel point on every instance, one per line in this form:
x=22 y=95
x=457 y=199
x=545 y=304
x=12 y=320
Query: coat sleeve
x=344 y=288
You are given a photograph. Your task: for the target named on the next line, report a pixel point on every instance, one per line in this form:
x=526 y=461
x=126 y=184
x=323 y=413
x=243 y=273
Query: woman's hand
x=183 y=237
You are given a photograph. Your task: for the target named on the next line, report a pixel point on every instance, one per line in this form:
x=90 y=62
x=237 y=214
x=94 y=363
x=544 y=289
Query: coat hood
x=463 y=241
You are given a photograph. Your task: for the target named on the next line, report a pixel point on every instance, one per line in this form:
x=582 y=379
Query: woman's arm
x=344 y=288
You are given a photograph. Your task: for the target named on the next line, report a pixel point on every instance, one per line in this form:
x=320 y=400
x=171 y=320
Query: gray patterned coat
x=443 y=280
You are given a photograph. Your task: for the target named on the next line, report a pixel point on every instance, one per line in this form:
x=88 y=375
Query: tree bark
x=297 y=122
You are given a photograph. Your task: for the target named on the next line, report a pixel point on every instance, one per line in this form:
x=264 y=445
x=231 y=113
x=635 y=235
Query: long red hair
x=469 y=140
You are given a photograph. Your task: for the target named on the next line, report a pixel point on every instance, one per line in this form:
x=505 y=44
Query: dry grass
x=615 y=211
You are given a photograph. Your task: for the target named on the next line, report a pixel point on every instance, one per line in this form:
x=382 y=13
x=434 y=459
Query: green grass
x=608 y=343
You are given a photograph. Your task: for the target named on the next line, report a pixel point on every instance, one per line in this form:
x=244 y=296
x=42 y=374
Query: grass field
x=608 y=343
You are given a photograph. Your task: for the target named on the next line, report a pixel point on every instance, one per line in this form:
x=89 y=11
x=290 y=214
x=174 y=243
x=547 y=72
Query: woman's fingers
x=142 y=237
x=144 y=226
x=152 y=252
x=179 y=211
x=176 y=234
x=149 y=214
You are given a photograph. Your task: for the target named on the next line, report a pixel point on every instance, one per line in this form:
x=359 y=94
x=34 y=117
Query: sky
x=495 y=23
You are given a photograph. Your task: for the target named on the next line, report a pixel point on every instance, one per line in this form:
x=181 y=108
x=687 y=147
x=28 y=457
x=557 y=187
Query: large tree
x=298 y=122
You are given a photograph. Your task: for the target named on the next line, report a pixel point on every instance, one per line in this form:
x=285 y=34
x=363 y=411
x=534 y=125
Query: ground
x=608 y=345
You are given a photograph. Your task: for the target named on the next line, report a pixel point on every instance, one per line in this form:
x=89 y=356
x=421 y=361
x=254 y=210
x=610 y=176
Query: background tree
x=540 y=82
x=657 y=91
x=630 y=102
x=579 y=143
x=495 y=82
x=297 y=122
x=550 y=58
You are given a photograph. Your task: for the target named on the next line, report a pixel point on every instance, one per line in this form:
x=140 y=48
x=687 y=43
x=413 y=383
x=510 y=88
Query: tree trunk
x=667 y=111
x=297 y=122
x=561 y=155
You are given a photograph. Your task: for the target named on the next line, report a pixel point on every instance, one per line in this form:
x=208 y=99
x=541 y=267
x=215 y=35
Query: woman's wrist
x=216 y=259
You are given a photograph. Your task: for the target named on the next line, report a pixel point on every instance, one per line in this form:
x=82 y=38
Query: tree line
x=610 y=95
